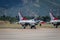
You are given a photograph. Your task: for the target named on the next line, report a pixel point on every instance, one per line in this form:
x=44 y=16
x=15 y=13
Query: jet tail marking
x=52 y=16
x=21 y=16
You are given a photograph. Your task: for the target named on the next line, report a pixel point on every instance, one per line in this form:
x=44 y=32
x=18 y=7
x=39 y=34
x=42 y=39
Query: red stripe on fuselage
x=24 y=18
x=55 y=18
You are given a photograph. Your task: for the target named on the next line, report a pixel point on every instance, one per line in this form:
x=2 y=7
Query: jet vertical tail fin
x=52 y=16
x=21 y=16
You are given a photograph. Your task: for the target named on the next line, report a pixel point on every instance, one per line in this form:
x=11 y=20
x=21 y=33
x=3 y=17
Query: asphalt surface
x=30 y=34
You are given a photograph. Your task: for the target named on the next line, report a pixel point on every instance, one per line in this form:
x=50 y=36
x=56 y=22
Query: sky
x=29 y=7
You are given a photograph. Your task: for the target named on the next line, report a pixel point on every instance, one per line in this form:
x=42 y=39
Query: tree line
x=16 y=18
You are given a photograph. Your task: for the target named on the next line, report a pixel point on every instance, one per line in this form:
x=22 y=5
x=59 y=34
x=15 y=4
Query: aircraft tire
x=33 y=27
x=56 y=26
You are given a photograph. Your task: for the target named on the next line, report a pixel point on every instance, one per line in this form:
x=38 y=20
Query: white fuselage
x=27 y=21
x=55 y=21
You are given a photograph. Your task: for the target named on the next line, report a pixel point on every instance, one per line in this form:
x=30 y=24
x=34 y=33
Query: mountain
x=29 y=7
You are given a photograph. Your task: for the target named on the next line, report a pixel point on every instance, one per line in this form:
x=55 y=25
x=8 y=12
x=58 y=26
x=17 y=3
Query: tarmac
x=30 y=34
